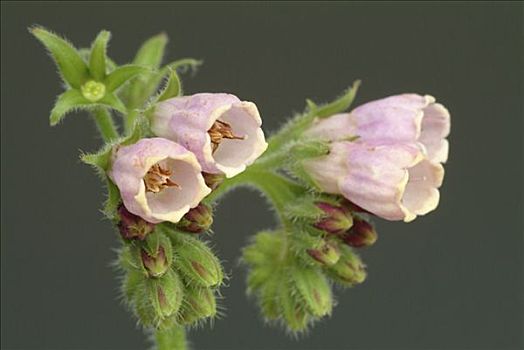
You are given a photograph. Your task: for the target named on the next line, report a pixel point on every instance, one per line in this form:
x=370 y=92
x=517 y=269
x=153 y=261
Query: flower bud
x=337 y=219
x=158 y=299
x=349 y=270
x=314 y=290
x=362 y=234
x=328 y=254
x=198 y=219
x=213 y=180
x=132 y=226
x=157 y=265
x=294 y=313
x=198 y=264
x=198 y=303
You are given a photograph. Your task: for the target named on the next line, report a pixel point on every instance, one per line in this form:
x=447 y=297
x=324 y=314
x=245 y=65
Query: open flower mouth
x=157 y=178
x=221 y=130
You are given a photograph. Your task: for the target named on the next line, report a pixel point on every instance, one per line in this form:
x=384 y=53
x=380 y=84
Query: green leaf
x=181 y=65
x=340 y=104
x=123 y=74
x=67 y=102
x=112 y=101
x=139 y=131
x=173 y=87
x=86 y=54
x=99 y=160
x=152 y=51
x=72 y=67
x=112 y=201
x=97 y=59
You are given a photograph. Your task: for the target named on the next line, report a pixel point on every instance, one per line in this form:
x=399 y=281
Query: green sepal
x=294 y=313
x=139 y=131
x=100 y=160
x=133 y=283
x=181 y=65
x=159 y=299
x=73 y=69
x=349 y=270
x=173 y=87
x=123 y=74
x=129 y=258
x=313 y=289
x=97 y=58
x=198 y=304
x=112 y=201
x=339 y=105
x=85 y=53
x=195 y=261
x=152 y=51
x=68 y=101
x=73 y=99
x=304 y=209
x=307 y=149
x=156 y=240
x=112 y=101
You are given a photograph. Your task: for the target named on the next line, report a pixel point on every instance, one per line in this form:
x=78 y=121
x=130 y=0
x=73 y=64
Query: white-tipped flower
x=393 y=181
x=399 y=118
x=223 y=132
x=158 y=179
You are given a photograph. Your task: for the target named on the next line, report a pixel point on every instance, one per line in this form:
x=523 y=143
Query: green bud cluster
x=288 y=291
x=170 y=279
x=292 y=272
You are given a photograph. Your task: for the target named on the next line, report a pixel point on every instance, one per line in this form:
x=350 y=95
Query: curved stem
x=171 y=339
x=277 y=188
x=106 y=125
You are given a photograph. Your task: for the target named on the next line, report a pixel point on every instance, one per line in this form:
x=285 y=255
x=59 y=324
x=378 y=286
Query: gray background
x=450 y=280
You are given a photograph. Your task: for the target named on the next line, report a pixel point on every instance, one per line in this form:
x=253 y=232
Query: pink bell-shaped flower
x=223 y=132
x=159 y=180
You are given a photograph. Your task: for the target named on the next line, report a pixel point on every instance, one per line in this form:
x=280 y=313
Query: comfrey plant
x=326 y=172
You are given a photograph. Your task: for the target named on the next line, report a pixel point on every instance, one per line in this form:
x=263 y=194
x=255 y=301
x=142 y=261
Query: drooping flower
x=158 y=179
x=222 y=131
x=394 y=181
x=400 y=118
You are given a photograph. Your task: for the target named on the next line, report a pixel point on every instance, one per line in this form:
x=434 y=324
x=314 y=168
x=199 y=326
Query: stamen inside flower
x=158 y=178
x=221 y=130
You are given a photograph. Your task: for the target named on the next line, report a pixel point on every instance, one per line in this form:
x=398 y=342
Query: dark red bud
x=198 y=219
x=213 y=180
x=132 y=226
x=361 y=234
x=337 y=219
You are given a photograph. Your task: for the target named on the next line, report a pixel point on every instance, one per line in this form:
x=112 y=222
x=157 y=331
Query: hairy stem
x=171 y=339
x=105 y=123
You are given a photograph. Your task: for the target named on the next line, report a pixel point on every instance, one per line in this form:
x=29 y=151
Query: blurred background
x=450 y=280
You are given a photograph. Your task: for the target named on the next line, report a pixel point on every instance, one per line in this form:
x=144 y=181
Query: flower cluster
x=386 y=156
x=160 y=178
x=327 y=173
